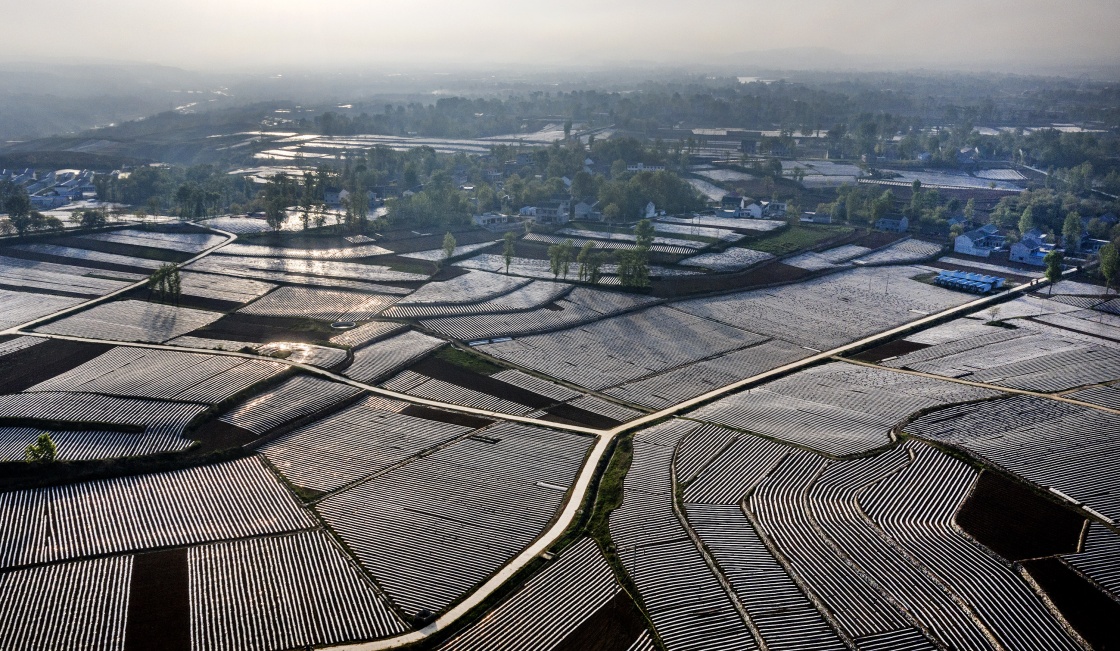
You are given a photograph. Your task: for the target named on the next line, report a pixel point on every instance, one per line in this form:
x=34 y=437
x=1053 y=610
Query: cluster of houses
x=49 y=190
x=1031 y=248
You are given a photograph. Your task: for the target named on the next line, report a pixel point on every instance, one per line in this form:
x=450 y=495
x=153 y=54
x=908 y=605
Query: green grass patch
x=797 y=238
x=609 y=496
x=468 y=360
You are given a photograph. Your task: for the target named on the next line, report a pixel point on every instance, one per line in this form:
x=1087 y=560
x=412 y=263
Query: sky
x=260 y=35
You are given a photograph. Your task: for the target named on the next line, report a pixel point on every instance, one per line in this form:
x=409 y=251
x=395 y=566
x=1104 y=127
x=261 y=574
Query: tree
x=1110 y=265
x=43 y=450
x=1071 y=232
x=448 y=246
x=1053 y=262
x=970 y=209
x=586 y=252
x=165 y=283
x=91 y=218
x=559 y=257
x=644 y=232
x=18 y=207
x=508 y=252
x=633 y=268
x=274 y=214
x=1026 y=220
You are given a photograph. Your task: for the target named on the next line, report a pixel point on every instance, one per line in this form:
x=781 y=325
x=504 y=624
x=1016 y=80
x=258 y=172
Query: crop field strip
x=435 y=255
x=599 y=406
x=674 y=386
x=924 y=529
x=234 y=499
x=223 y=288
x=319 y=303
x=624 y=238
x=182 y=242
x=366 y=333
x=340 y=253
x=536 y=385
x=78 y=605
x=132 y=321
x=611 y=245
x=1026 y=358
x=616 y=350
x=1105 y=396
x=905 y=252
x=161 y=419
x=838 y=409
x=534 y=268
x=75 y=445
x=471 y=287
x=827 y=259
x=1098 y=558
x=325 y=268
x=377 y=360
x=827 y=312
x=294 y=398
x=32 y=274
x=231 y=271
x=733 y=258
x=734 y=223
x=785 y=618
x=688 y=605
x=86 y=255
x=324 y=357
x=781 y=508
x=17 y=308
x=721 y=234
x=422 y=386
x=546 y=609
x=163 y=374
x=1088 y=322
x=833 y=503
x=1053 y=444
x=282 y=592
x=187 y=341
x=581 y=305
x=19 y=343
x=360 y=440
x=490 y=495
x=529 y=297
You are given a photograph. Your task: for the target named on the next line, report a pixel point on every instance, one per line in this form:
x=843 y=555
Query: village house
x=980 y=241
x=1032 y=248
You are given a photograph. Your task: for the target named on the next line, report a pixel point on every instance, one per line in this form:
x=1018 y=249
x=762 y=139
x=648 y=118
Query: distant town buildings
x=49 y=190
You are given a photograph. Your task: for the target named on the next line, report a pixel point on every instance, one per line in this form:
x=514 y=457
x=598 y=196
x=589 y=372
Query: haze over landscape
x=597 y=326
x=275 y=35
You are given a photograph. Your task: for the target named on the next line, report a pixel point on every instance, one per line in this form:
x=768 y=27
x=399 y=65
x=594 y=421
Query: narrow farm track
x=578 y=493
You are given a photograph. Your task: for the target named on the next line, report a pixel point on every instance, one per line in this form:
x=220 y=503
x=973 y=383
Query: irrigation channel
x=603 y=437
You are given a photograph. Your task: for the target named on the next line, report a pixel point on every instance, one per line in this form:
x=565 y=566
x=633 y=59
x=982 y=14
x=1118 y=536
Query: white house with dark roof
x=979 y=241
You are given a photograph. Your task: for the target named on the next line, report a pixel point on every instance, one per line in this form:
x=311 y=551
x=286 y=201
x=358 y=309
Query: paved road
x=603 y=437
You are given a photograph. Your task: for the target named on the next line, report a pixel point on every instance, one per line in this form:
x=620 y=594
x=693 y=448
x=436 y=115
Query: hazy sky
x=276 y=34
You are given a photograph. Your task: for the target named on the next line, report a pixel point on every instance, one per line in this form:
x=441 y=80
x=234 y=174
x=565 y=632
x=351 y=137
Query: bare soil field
x=767 y=274
x=1088 y=609
x=889 y=349
x=1016 y=522
x=442 y=416
x=30 y=366
x=614 y=627
x=159 y=602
